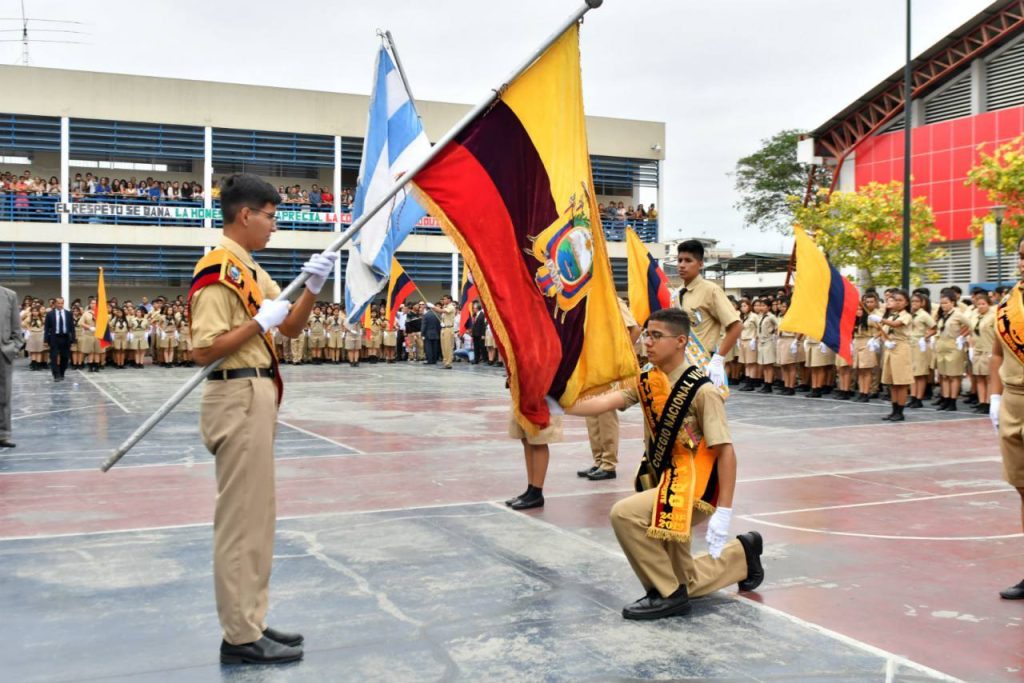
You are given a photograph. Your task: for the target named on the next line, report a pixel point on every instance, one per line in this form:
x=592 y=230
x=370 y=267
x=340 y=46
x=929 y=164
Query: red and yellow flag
x=400 y=288
x=648 y=285
x=100 y=314
x=514 y=191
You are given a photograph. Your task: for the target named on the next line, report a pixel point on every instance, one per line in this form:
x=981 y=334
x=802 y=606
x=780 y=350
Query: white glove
x=553 y=407
x=319 y=267
x=822 y=348
x=792 y=347
x=716 y=370
x=272 y=313
x=993 y=410
x=130 y=337
x=970 y=354
x=890 y=345
x=922 y=344
x=718 y=531
x=931 y=341
x=25 y=334
x=873 y=318
x=874 y=345
x=959 y=343
x=753 y=345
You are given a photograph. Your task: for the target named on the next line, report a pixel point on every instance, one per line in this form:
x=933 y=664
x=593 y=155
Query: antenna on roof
x=24 y=27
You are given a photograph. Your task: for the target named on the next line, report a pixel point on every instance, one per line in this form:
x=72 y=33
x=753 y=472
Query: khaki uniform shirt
x=983 y=332
x=750 y=325
x=951 y=326
x=767 y=326
x=709 y=309
x=216 y=310
x=448 y=316
x=705 y=417
x=902 y=333
x=922 y=324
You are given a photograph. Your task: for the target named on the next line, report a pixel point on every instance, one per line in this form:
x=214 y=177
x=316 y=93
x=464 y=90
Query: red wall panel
x=941 y=156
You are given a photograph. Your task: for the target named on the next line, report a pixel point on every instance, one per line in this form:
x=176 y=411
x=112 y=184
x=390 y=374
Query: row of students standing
x=163 y=331
x=902 y=347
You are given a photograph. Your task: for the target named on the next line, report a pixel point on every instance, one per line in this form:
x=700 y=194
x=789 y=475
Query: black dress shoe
x=653 y=606
x=601 y=475
x=531 y=500
x=262 y=651
x=588 y=472
x=753 y=546
x=512 y=500
x=815 y=393
x=4 y=443
x=1013 y=592
x=289 y=639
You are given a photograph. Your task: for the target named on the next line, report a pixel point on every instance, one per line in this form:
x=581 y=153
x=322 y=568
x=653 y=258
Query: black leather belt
x=242 y=373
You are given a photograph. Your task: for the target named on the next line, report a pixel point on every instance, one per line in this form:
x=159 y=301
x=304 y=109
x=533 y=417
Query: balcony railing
x=42 y=208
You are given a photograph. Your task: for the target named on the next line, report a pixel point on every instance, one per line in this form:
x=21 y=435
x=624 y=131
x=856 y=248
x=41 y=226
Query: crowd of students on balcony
x=618 y=211
x=99 y=188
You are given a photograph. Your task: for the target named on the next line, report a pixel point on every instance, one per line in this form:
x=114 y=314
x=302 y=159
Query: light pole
x=998 y=212
x=907 y=95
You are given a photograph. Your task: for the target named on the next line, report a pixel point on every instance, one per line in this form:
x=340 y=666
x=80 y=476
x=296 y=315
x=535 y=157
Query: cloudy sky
x=721 y=75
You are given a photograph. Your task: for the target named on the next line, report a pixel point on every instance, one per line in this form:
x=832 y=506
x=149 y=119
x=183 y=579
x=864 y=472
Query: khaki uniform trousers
x=1011 y=434
x=666 y=565
x=298 y=345
x=447 y=346
x=238 y=420
x=603 y=431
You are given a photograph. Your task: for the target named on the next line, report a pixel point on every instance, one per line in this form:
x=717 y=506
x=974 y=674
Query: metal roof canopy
x=752 y=262
x=991 y=27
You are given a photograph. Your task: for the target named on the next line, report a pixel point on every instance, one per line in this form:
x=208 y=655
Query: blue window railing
x=32 y=208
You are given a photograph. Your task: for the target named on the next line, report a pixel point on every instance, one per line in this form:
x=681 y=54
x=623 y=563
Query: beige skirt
x=979 y=366
x=819 y=359
x=766 y=352
x=921 y=361
x=863 y=357
x=897 y=369
x=784 y=350
x=949 y=360
x=747 y=355
x=550 y=434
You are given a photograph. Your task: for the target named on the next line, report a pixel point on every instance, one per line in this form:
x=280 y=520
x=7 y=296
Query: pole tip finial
x=594 y=4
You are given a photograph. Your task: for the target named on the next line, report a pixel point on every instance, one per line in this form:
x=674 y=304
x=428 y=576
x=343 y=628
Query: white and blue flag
x=394 y=143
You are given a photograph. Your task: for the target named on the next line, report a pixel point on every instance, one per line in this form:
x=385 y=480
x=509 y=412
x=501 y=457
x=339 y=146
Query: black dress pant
x=479 y=350
x=60 y=354
x=432 y=348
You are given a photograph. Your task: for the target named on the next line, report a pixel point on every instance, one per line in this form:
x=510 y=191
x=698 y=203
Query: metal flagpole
x=398 y=65
x=344 y=237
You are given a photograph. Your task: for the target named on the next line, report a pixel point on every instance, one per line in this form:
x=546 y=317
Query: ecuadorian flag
x=648 y=286
x=824 y=304
x=100 y=314
x=467 y=296
x=515 y=194
x=400 y=288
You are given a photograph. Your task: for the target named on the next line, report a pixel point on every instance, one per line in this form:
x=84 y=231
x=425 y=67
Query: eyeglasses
x=655 y=335
x=271 y=216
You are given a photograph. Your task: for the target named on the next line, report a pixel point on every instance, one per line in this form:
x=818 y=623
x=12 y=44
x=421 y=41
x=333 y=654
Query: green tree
x=766 y=179
x=864 y=229
x=1001 y=175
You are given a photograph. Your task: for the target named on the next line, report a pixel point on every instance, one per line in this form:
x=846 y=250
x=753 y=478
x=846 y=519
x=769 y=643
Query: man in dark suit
x=432 y=336
x=11 y=342
x=59 y=333
x=478 y=329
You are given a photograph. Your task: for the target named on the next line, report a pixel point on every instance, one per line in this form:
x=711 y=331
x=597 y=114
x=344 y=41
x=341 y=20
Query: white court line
x=895 y=501
x=126 y=465
x=889 y=657
x=104 y=392
x=882 y=537
x=50 y=412
x=887 y=468
x=320 y=436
